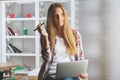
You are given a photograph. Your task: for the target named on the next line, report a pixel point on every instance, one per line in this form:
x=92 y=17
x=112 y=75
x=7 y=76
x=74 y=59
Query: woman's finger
x=84 y=76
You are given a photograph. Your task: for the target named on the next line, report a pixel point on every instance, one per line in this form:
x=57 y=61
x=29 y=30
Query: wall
x=0 y=34
x=89 y=22
x=99 y=23
x=112 y=40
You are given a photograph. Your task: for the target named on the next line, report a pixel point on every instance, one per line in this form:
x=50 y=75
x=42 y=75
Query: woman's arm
x=46 y=53
x=80 y=54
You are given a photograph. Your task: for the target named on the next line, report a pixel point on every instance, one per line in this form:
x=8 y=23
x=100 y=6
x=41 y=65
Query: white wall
x=90 y=27
x=99 y=24
x=0 y=34
x=112 y=40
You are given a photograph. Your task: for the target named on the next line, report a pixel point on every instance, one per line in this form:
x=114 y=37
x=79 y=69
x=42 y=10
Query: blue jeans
x=67 y=78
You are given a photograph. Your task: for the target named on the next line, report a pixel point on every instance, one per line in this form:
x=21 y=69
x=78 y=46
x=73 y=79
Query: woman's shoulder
x=76 y=32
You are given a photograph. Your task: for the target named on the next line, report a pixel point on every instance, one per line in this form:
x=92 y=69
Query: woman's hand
x=42 y=30
x=44 y=34
x=84 y=76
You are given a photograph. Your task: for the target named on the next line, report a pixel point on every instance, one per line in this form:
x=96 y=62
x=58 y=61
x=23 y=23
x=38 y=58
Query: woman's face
x=58 y=18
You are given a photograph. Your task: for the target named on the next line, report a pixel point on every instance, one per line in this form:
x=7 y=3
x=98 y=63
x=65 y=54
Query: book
x=16 y=50
x=10 y=48
x=10 y=31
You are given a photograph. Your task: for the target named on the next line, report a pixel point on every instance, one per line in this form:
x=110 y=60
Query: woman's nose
x=59 y=17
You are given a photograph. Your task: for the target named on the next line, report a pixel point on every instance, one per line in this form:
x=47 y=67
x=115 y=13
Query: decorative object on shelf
x=11 y=15
x=25 y=31
x=28 y=15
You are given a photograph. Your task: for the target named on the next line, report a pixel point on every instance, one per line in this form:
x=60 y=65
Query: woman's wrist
x=47 y=41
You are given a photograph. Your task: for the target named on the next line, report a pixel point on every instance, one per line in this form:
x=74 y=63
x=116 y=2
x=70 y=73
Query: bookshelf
x=27 y=14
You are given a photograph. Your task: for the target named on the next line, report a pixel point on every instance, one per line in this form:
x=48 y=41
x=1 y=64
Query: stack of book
x=13 y=49
x=10 y=31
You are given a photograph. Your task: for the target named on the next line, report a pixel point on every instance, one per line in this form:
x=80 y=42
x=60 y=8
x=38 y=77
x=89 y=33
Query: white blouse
x=61 y=55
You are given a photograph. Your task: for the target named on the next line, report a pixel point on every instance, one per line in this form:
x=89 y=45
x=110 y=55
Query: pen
x=38 y=26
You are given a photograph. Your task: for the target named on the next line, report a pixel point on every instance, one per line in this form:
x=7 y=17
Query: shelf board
x=20 y=19
x=42 y=18
x=20 y=1
x=57 y=0
x=20 y=36
x=20 y=54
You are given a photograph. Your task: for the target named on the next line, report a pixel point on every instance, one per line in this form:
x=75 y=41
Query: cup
x=28 y=15
x=11 y=15
x=25 y=31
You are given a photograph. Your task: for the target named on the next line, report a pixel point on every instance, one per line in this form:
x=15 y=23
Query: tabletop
x=7 y=65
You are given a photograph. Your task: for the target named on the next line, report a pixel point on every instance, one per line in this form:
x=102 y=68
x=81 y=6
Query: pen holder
x=25 y=31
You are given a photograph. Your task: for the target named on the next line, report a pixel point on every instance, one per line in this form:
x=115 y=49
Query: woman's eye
x=62 y=14
x=55 y=15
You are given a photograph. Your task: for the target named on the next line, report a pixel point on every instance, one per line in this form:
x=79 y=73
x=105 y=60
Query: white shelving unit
x=30 y=44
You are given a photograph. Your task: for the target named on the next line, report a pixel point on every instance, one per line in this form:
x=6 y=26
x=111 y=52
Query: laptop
x=71 y=69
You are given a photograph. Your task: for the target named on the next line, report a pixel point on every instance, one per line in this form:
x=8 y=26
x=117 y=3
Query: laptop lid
x=71 y=69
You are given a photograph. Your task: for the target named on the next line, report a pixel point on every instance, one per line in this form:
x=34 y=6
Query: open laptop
x=71 y=69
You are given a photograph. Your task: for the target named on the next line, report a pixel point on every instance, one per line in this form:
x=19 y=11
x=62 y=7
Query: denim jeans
x=67 y=78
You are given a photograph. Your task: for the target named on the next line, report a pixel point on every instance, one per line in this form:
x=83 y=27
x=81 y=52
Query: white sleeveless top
x=61 y=55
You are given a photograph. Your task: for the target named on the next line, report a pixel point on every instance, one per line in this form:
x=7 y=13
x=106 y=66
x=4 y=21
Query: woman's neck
x=60 y=32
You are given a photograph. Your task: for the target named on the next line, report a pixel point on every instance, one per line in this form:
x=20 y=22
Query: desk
x=9 y=66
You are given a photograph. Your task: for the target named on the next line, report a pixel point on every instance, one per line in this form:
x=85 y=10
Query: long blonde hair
x=69 y=37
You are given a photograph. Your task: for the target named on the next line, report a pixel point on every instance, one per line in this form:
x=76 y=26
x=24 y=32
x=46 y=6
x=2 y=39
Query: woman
x=59 y=43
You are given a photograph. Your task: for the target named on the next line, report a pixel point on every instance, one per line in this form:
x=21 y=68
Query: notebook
x=71 y=69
